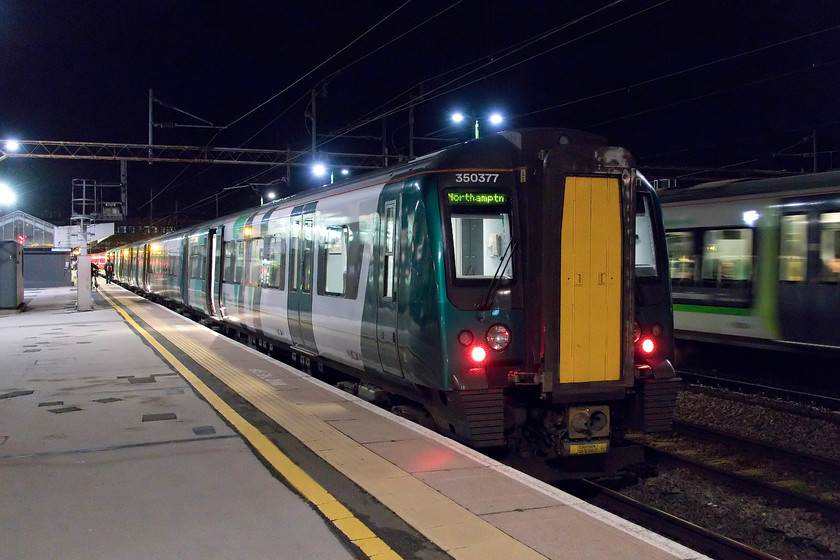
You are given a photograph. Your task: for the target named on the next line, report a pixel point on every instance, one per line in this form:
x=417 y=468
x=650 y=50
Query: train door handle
x=602 y=279
x=579 y=279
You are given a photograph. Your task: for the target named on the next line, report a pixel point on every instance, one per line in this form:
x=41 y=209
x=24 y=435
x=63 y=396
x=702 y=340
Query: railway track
x=722 y=381
x=738 y=466
x=702 y=540
x=790 y=478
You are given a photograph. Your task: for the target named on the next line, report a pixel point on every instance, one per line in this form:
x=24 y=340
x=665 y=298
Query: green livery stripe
x=739 y=311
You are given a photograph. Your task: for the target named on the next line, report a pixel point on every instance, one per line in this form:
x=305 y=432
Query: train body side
x=757 y=263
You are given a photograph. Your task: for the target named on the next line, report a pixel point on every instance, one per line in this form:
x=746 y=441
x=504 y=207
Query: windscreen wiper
x=487 y=301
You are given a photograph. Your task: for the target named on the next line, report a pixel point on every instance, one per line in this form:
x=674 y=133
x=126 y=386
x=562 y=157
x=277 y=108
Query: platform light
x=11 y=145
x=271 y=195
x=319 y=169
x=494 y=119
x=7 y=196
x=345 y=172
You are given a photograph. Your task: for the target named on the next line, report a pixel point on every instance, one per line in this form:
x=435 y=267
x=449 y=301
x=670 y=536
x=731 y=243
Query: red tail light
x=648 y=346
x=478 y=354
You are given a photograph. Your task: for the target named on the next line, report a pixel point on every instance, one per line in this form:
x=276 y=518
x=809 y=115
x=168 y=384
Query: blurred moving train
x=757 y=262
x=509 y=291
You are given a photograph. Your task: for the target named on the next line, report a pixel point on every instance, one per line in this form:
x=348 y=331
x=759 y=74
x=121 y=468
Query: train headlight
x=465 y=337
x=498 y=337
x=656 y=330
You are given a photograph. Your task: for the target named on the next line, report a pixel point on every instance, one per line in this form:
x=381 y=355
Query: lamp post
x=320 y=170
x=495 y=119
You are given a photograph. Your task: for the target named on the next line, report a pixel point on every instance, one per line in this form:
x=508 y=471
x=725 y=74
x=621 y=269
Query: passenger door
x=387 y=337
x=809 y=273
x=301 y=275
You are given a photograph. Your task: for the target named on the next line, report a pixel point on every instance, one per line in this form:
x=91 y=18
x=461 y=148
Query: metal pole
x=151 y=124
x=124 y=186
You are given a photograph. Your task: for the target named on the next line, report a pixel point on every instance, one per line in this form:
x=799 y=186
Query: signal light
x=478 y=354
x=648 y=346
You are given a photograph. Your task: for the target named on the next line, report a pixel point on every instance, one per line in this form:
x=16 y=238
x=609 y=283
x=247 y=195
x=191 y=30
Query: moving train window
x=334 y=261
x=273 y=271
x=711 y=266
x=793 y=248
x=645 y=255
x=830 y=247
x=727 y=256
x=682 y=258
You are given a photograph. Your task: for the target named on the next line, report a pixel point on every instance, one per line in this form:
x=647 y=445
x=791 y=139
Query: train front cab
x=559 y=300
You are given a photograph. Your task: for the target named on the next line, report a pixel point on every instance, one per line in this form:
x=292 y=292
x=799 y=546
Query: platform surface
x=114 y=444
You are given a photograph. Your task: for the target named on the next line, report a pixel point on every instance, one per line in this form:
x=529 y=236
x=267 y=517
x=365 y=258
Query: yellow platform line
x=455 y=529
x=344 y=520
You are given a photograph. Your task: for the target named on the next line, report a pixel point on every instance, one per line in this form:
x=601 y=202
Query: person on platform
x=94 y=272
x=109 y=271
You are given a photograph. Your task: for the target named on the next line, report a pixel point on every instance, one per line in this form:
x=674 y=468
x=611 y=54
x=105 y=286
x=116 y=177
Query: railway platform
x=130 y=431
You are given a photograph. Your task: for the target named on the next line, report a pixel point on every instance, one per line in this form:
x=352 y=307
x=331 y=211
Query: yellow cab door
x=590 y=281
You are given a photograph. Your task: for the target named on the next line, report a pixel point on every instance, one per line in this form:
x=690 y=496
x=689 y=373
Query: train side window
x=645 y=254
x=230 y=261
x=198 y=257
x=334 y=261
x=390 y=234
x=253 y=256
x=307 y=249
x=273 y=269
x=294 y=265
x=793 y=248
x=239 y=262
x=830 y=247
x=727 y=256
x=682 y=258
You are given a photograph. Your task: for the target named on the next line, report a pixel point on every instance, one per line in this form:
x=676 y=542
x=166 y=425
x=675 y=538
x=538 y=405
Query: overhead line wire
x=679 y=72
x=284 y=90
x=427 y=97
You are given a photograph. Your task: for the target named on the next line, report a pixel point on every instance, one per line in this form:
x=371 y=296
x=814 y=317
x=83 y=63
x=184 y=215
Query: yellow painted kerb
x=344 y=520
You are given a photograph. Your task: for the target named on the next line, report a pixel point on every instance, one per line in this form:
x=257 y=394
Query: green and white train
x=509 y=291
x=757 y=263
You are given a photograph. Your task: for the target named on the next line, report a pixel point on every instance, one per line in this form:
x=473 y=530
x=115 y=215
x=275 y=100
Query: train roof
x=828 y=181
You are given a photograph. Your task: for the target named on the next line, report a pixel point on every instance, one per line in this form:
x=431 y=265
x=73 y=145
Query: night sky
x=682 y=83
